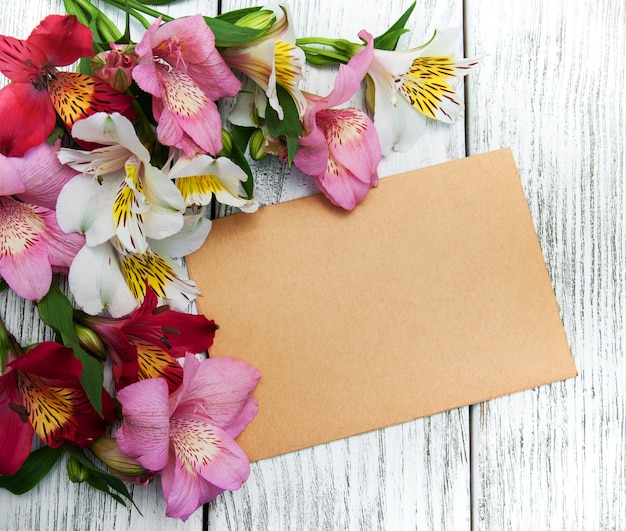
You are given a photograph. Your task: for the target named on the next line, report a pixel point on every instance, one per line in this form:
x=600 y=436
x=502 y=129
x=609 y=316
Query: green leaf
x=241 y=136
x=34 y=469
x=290 y=126
x=389 y=39
x=57 y=312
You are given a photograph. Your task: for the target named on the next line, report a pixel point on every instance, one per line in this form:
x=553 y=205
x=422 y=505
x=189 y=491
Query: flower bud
x=76 y=471
x=257 y=145
x=115 y=66
x=107 y=450
x=227 y=145
x=263 y=19
x=90 y=341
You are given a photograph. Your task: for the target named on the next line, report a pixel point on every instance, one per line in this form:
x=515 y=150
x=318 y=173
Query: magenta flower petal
x=16 y=433
x=10 y=181
x=24 y=261
x=220 y=387
x=43 y=175
x=180 y=66
x=145 y=434
x=185 y=492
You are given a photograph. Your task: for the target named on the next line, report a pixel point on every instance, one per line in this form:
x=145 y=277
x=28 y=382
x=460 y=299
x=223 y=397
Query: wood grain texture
x=550 y=87
x=553 y=458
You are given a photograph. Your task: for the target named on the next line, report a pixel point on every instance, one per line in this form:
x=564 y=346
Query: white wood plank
x=552 y=89
x=411 y=476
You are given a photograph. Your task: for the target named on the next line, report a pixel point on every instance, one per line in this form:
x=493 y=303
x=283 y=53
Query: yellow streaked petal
x=155 y=362
x=50 y=409
x=199 y=189
x=425 y=87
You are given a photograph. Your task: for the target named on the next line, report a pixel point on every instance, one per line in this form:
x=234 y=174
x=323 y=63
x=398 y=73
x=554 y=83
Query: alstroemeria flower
x=39 y=91
x=202 y=177
x=408 y=87
x=146 y=343
x=180 y=66
x=121 y=193
x=341 y=149
x=189 y=435
x=32 y=246
x=106 y=277
x=272 y=59
x=41 y=393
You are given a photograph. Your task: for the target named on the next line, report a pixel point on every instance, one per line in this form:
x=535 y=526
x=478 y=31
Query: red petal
x=27 y=118
x=20 y=61
x=16 y=433
x=51 y=361
x=64 y=39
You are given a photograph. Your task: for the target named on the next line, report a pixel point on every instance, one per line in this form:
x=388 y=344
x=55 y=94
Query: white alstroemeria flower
x=202 y=177
x=188 y=239
x=121 y=193
x=106 y=277
x=406 y=88
x=272 y=59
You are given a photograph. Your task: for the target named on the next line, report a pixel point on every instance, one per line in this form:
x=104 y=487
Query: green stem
x=137 y=7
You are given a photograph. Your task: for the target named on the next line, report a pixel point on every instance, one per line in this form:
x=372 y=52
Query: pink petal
x=354 y=143
x=62 y=247
x=22 y=103
x=24 y=262
x=64 y=39
x=42 y=174
x=191 y=111
x=312 y=157
x=185 y=492
x=342 y=188
x=219 y=388
x=144 y=434
x=209 y=451
x=10 y=180
x=197 y=38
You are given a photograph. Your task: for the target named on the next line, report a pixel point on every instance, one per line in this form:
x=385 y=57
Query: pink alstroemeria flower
x=146 y=343
x=32 y=246
x=39 y=91
x=341 y=148
x=180 y=66
x=189 y=436
x=41 y=393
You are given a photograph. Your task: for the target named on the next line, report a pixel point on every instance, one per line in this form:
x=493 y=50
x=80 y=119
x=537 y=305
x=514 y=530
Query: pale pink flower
x=189 y=436
x=341 y=148
x=180 y=66
x=32 y=246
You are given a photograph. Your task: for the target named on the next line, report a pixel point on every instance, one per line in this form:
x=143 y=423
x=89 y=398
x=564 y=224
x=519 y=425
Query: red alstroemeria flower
x=41 y=393
x=146 y=343
x=39 y=91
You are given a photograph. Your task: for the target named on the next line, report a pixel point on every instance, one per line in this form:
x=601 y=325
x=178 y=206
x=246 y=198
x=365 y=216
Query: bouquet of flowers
x=114 y=153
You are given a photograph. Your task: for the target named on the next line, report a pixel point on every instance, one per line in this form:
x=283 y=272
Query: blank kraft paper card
x=432 y=294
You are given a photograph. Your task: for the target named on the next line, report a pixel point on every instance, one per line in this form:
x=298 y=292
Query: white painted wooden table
x=551 y=88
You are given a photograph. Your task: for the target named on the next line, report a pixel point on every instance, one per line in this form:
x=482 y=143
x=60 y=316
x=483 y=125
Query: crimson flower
x=146 y=343
x=40 y=393
x=39 y=91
